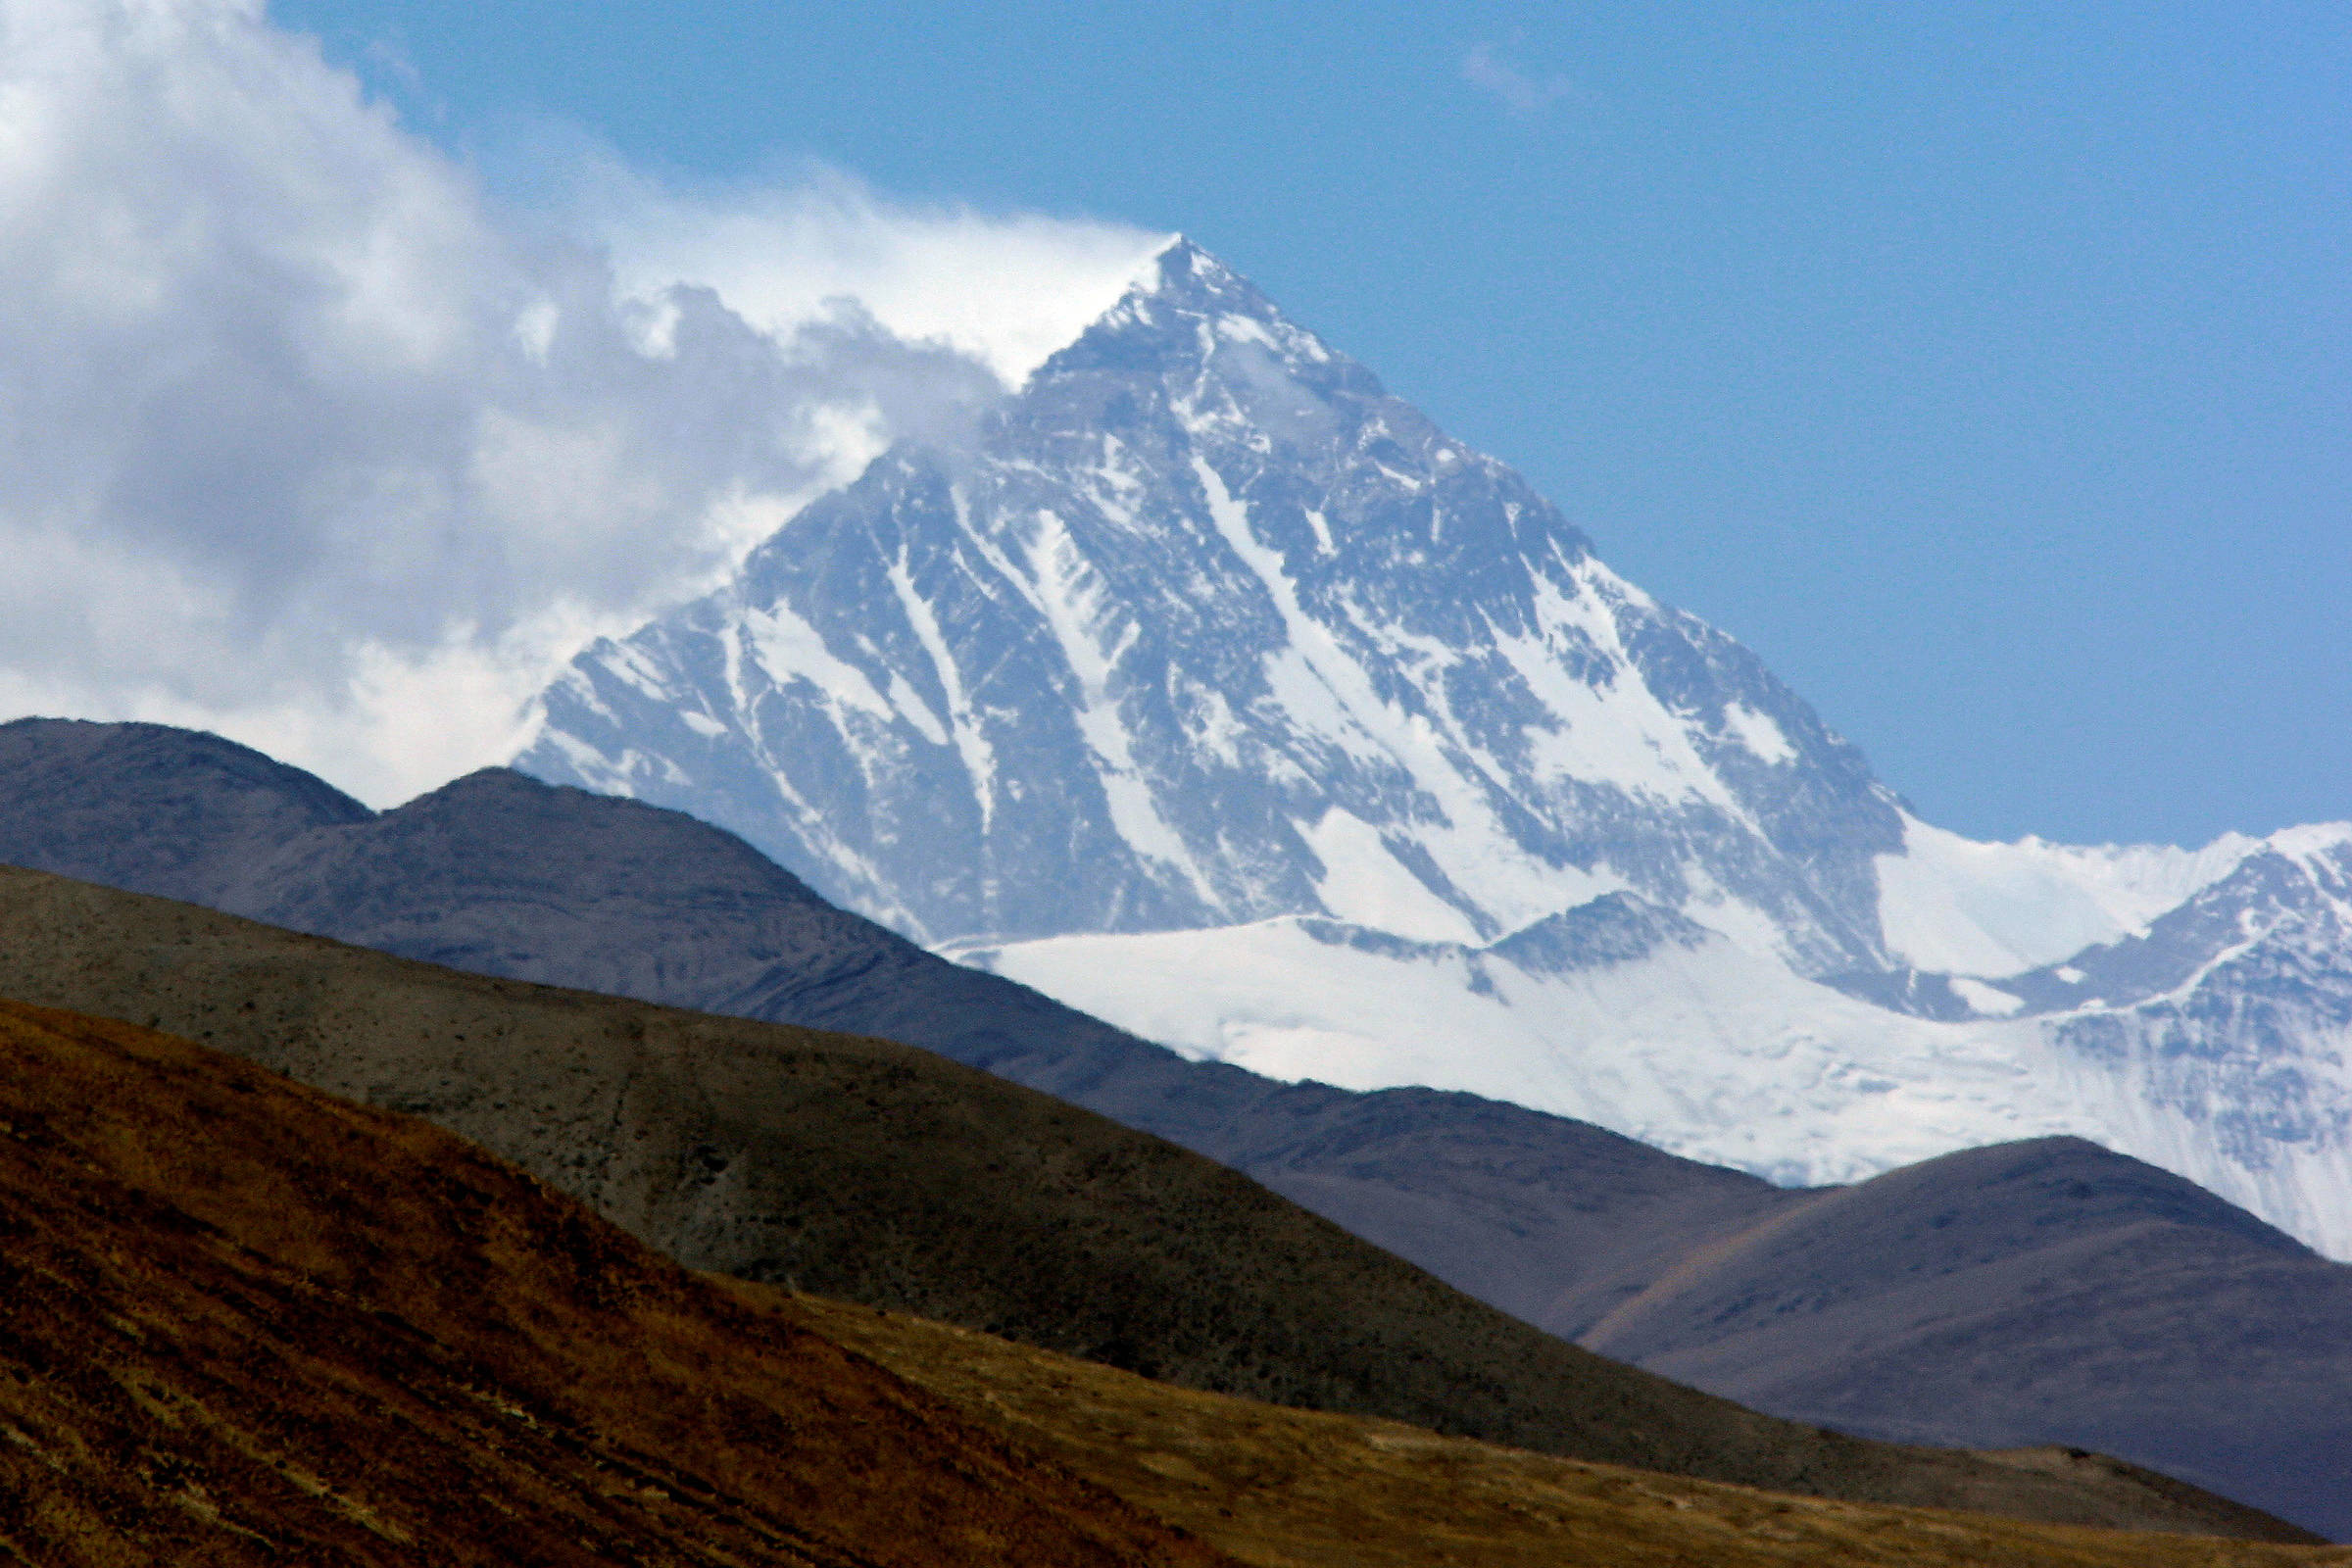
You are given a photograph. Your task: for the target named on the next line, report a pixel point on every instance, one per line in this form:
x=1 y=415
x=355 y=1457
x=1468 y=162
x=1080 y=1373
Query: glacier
x=1217 y=692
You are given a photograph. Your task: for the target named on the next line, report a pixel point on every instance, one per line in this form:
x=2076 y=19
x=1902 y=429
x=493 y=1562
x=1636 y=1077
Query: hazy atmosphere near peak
x=1985 y=373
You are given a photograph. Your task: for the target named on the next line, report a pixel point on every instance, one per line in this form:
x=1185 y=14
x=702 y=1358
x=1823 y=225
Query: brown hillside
x=1293 y=1489
x=874 y=1172
x=248 y=1323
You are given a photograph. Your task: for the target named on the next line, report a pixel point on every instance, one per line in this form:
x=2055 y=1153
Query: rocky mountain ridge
x=1211 y=629
x=1219 y=693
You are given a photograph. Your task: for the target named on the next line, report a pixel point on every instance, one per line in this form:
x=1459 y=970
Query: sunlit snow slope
x=1221 y=693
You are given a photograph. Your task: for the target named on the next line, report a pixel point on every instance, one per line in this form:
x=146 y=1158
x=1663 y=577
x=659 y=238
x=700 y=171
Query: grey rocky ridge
x=1219 y=693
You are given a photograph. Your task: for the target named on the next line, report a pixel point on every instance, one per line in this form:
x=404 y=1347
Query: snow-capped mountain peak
x=1217 y=691
x=1950 y=903
x=1212 y=629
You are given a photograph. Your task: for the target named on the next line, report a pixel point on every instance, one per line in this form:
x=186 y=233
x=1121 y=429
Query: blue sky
x=1982 y=367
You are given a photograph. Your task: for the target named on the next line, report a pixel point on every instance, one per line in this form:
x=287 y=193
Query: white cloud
x=1007 y=291
x=1521 y=94
x=304 y=440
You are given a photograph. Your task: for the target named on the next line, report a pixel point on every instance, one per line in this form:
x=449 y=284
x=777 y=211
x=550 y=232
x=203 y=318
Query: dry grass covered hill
x=255 y=1324
x=1295 y=1488
x=250 y=1323
x=2055 y=1294
x=875 y=1172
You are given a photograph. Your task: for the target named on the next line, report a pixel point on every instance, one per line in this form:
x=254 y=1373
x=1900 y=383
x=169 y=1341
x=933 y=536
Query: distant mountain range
x=2042 y=1292
x=1217 y=693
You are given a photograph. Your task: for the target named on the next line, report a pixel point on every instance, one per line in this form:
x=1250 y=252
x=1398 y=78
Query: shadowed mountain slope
x=877 y=1172
x=249 y=1323
x=1216 y=692
x=1555 y=1221
x=2000 y=1292
x=501 y=874
x=257 y=1324
x=1295 y=1488
x=154 y=809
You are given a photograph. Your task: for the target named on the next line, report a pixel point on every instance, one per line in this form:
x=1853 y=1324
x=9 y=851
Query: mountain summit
x=1211 y=629
x=1221 y=693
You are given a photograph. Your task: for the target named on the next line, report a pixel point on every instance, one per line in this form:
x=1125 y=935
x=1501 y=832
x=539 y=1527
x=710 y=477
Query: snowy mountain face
x=1219 y=693
x=1211 y=630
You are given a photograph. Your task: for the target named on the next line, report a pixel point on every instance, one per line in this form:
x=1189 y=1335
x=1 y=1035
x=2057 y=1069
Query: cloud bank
x=304 y=439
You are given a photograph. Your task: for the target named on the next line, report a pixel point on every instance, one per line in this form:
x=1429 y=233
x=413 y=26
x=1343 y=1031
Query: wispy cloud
x=304 y=439
x=1005 y=289
x=1522 y=93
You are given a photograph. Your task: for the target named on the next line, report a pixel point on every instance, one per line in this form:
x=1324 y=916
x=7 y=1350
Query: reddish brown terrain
x=870 y=1172
x=1301 y=1489
x=250 y=1323
x=2044 y=1294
